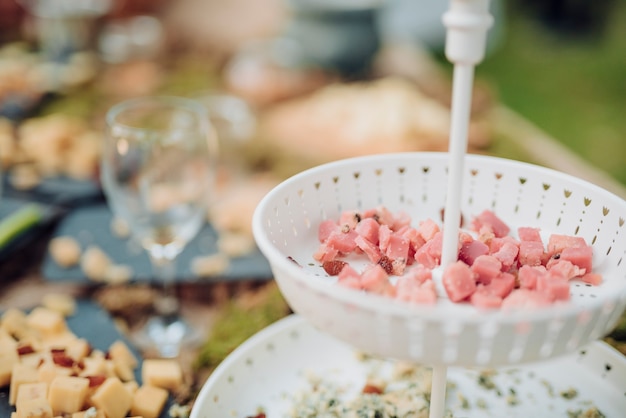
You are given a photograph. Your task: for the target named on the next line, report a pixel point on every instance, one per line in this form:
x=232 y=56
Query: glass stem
x=164 y=268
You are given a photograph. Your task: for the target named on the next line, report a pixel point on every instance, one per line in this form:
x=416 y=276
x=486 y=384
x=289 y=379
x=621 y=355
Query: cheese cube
x=8 y=359
x=14 y=322
x=34 y=408
x=113 y=398
x=46 y=321
x=131 y=386
x=94 y=366
x=35 y=359
x=20 y=374
x=6 y=340
x=149 y=401
x=62 y=303
x=162 y=373
x=78 y=349
x=48 y=371
x=67 y=393
x=30 y=391
x=119 y=351
x=123 y=371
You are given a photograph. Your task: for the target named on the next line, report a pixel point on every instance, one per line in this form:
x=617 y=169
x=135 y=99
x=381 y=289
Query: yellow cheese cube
x=34 y=408
x=6 y=340
x=78 y=349
x=113 y=398
x=36 y=358
x=123 y=371
x=67 y=393
x=162 y=373
x=149 y=401
x=48 y=371
x=62 y=303
x=30 y=391
x=131 y=386
x=58 y=340
x=94 y=366
x=21 y=373
x=119 y=351
x=8 y=359
x=46 y=320
x=14 y=322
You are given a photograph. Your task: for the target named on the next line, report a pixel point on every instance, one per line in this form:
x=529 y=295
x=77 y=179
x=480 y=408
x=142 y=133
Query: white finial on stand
x=467 y=23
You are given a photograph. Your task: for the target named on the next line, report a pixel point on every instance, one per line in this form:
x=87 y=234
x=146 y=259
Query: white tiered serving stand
x=447 y=334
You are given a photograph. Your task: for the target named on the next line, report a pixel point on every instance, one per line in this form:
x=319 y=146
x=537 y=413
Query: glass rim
x=192 y=105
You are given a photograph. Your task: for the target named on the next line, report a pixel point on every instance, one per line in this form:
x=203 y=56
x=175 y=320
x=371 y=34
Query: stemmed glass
x=157 y=170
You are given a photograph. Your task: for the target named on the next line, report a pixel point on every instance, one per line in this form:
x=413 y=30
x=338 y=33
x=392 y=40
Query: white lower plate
x=272 y=366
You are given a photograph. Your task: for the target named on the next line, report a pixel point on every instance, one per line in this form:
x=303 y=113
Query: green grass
x=574 y=88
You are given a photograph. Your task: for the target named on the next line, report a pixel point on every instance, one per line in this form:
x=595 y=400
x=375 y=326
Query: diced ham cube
x=384 y=217
x=371 y=250
x=349 y=277
x=579 y=256
x=325 y=228
x=557 y=288
x=429 y=254
x=415 y=242
x=564 y=269
x=485 y=299
x=410 y=290
x=459 y=281
x=349 y=218
x=525 y=298
x=400 y=221
x=486 y=267
x=343 y=242
x=428 y=229
x=384 y=235
x=419 y=273
x=501 y=286
x=398 y=248
x=376 y=280
x=531 y=253
x=489 y=220
x=526 y=233
x=527 y=276
x=368 y=229
x=592 y=278
x=558 y=242
x=470 y=250
x=325 y=253
x=507 y=255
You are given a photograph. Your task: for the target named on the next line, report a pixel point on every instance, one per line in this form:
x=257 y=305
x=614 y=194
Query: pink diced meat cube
x=429 y=254
x=564 y=269
x=325 y=228
x=459 y=281
x=485 y=300
x=349 y=277
x=557 y=288
x=428 y=229
x=558 y=242
x=526 y=233
x=375 y=280
x=371 y=250
x=349 y=218
x=486 y=267
x=368 y=229
x=398 y=248
x=579 y=256
x=343 y=242
x=527 y=276
x=470 y=250
x=507 y=255
x=489 y=220
x=592 y=278
x=526 y=298
x=531 y=253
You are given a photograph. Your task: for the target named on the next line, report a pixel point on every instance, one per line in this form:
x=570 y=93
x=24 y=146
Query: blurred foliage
x=240 y=319
x=571 y=84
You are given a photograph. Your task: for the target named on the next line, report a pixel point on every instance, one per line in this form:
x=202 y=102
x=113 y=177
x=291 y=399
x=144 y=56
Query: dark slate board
x=91 y=225
x=58 y=190
x=94 y=324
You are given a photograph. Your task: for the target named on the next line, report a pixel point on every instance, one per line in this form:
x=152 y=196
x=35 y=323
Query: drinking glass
x=157 y=171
